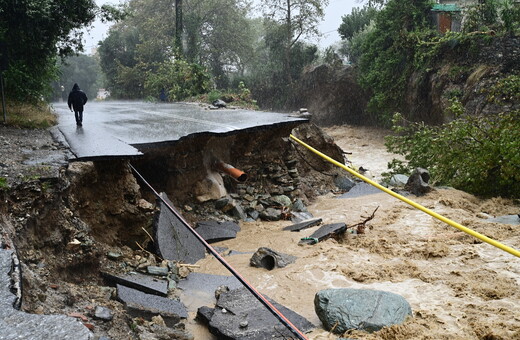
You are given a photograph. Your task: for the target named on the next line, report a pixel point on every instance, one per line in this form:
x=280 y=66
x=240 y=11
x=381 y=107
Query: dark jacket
x=77 y=98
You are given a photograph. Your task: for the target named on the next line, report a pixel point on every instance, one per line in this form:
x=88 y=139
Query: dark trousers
x=79 y=116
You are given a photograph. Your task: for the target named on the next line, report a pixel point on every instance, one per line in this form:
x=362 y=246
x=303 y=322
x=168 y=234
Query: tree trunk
x=178 y=25
x=288 y=44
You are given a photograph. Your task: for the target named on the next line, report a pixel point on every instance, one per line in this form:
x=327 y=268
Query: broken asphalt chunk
x=214 y=231
x=139 y=304
x=199 y=288
x=145 y=283
x=270 y=259
x=239 y=315
x=325 y=232
x=304 y=224
x=172 y=239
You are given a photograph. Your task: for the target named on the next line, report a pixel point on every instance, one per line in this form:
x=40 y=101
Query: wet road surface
x=113 y=129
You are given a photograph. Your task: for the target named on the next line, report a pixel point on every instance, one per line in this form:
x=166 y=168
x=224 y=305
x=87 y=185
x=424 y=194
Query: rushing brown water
x=458 y=287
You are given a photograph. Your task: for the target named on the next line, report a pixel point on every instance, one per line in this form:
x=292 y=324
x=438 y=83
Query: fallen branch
x=362 y=225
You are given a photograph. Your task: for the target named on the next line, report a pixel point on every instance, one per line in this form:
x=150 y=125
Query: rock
x=361 y=189
x=219 y=103
x=103 y=313
x=281 y=201
x=172 y=239
x=210 y=188
x=159 y=271
x=270 y=259
x=238 y=213
x=418 y=182
x=300 y=216
x=271 y=214
x=344 y=183
x=239 y=315
x=221 y=203
x=362 y=309
x=398 y=180
x=298 y=206
x=114 y=256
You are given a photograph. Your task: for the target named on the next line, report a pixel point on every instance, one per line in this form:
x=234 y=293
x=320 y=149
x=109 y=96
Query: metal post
x=3 y=96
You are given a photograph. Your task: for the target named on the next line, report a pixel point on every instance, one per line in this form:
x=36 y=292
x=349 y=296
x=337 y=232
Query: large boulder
x=370 y=310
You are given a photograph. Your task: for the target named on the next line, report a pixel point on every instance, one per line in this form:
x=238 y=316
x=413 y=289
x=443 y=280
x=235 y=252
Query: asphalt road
x=117 y=128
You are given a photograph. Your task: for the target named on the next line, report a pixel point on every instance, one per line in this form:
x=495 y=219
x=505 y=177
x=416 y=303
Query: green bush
x=179 y=78
x=480 y=155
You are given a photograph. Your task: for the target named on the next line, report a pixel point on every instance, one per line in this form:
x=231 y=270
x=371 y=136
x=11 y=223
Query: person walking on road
x=77 y=99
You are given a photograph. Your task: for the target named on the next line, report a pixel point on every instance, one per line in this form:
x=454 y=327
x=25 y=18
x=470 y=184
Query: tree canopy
x=35 y=33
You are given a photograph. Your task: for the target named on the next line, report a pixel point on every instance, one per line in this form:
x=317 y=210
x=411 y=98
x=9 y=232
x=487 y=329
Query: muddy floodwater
x=458 y=287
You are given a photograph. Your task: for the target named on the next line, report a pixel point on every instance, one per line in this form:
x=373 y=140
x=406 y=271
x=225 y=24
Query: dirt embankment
x=465 y=72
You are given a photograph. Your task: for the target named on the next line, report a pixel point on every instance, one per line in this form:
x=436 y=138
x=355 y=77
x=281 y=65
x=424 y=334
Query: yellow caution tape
x=413 y=204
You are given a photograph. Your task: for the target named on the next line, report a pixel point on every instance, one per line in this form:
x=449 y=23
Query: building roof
x=446 y=8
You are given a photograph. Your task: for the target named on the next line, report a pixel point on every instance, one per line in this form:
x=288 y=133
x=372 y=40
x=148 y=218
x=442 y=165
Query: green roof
x=445 y=8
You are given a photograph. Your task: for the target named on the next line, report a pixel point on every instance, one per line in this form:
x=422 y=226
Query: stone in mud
x=361 y=189
x=139 y=304
x=344 y=309
x=15 y=324
x=325 y=232
x=418 y=182
x=103 y=313
x=344 y=183
x=270 y=259
x=398 y=180
x=172 y=239
x=304 y=224
x=271 y=214
x=239 y=315
x=145 y=283
x=300 y=216
x=214 y=231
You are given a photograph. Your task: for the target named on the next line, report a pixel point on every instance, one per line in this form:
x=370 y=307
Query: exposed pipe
x=237 y=174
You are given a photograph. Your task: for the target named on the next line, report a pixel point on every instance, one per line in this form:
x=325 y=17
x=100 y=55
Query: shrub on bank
x=480 y=155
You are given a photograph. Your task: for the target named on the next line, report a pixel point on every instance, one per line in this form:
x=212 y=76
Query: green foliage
x=179 y=78
x=388 y=54
x=356 y=22
x=480 y=155
x=34 y=33
x=3 y=183
x=506 y=90
x=81 y=69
